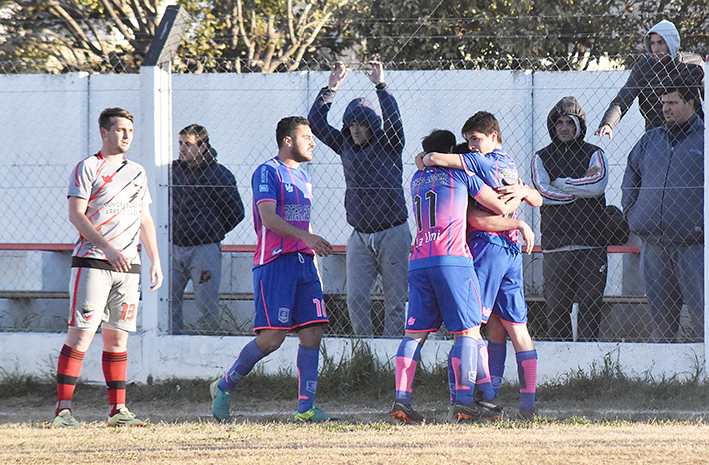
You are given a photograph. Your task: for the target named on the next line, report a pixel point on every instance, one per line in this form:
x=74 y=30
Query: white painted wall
x=206 y=357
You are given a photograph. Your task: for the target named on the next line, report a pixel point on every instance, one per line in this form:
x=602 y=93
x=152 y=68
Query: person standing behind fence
x=108 y=205
x=205 y=206
x=572 y=175
x=663 y=65
x=374 y=198
x=663 y=200
x=287 y=290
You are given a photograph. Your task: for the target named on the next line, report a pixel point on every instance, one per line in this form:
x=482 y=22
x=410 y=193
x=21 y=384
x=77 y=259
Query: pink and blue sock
x=464 y=359
x=307 y=364
x=483 y=381
x=497 y=353
x=527 y=372
x=451 y=378
x=407 y=358
x=248 y=357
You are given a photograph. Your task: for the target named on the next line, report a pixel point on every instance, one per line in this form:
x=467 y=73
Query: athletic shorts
x=449 y=294
x=288 y=294
x=103 y=296
x=499 y=270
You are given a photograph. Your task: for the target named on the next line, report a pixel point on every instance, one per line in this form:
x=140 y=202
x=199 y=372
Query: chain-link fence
x=573 y=289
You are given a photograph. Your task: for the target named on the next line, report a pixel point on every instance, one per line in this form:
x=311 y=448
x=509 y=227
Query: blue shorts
x=499 y=270
x=448 y=294
x=288 y=294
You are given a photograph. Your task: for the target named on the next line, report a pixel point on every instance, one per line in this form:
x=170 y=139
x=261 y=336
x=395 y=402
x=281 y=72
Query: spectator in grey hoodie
x=663 y=65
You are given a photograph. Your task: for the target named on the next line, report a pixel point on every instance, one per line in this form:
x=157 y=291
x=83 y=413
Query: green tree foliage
x=564 y=34
x=263 y=36
x=72 y=35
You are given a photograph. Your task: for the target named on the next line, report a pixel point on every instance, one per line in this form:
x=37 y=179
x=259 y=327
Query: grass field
x=602 y=417
x=545 y=442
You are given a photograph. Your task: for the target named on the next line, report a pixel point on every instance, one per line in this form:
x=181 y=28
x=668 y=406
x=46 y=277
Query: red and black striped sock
x=115 y=365
x=68 y=370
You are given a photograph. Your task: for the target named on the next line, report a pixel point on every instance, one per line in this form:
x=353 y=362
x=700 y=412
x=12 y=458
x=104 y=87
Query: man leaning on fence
x=572 y=175
x=108 y=205
x=374 y=198
x=205 y=206
x=663 y=200
x=663 y=64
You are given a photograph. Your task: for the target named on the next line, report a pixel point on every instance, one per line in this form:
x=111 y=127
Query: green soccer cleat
x=314 y=415
x=66 y=420
x=124 y=418
x=220 y=402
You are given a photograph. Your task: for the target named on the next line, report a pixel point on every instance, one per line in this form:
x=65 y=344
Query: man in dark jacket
x=663 y=200
x=663 y=65
x=571 y=175
x=374 y=198
x=205 y=206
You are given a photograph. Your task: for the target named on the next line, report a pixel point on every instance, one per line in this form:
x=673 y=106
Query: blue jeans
x=203 y=265
x=385 y=253
x=673 y=274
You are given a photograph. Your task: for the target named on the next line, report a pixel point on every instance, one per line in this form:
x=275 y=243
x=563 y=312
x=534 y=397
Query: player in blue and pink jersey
x=287 y=289
x=443 y=286
x=495 y=244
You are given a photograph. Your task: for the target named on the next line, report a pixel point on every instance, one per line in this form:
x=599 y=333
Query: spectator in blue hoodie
x=663 y=65
x=370 y=147
x=205 y=206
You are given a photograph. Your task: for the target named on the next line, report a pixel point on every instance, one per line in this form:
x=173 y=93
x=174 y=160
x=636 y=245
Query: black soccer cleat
x=405 y=414
x=474 y=411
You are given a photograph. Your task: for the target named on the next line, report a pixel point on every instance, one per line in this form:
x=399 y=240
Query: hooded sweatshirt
x=205 y=202
x=649 y=77
x=374 y=196
x=663 y=186
x=574 y=203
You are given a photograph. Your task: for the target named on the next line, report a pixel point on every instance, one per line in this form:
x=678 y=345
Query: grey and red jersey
x=116 y=194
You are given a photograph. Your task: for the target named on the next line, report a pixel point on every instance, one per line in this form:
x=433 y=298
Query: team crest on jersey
x=289 y=187
x=284 y=314
x=506 y=173
x=87 y=313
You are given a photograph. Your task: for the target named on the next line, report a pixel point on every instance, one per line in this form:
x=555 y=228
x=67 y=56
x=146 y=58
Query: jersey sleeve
x=264 y=185
x=81 y=182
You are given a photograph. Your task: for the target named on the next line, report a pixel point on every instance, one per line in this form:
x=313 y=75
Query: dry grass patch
x=502 y=443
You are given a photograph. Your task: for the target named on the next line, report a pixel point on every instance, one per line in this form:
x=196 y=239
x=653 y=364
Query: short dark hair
x=461 y=148
x=686 y=93
x=440 y=140
x=198 y=131
x=287 y=126
x=483 y=122
x=105 y=120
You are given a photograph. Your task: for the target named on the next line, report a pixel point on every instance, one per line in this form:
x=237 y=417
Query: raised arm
x=391 y=116
x=317 y=116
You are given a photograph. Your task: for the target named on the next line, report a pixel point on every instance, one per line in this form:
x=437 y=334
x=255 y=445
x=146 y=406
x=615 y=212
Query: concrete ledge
x=208 y=357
